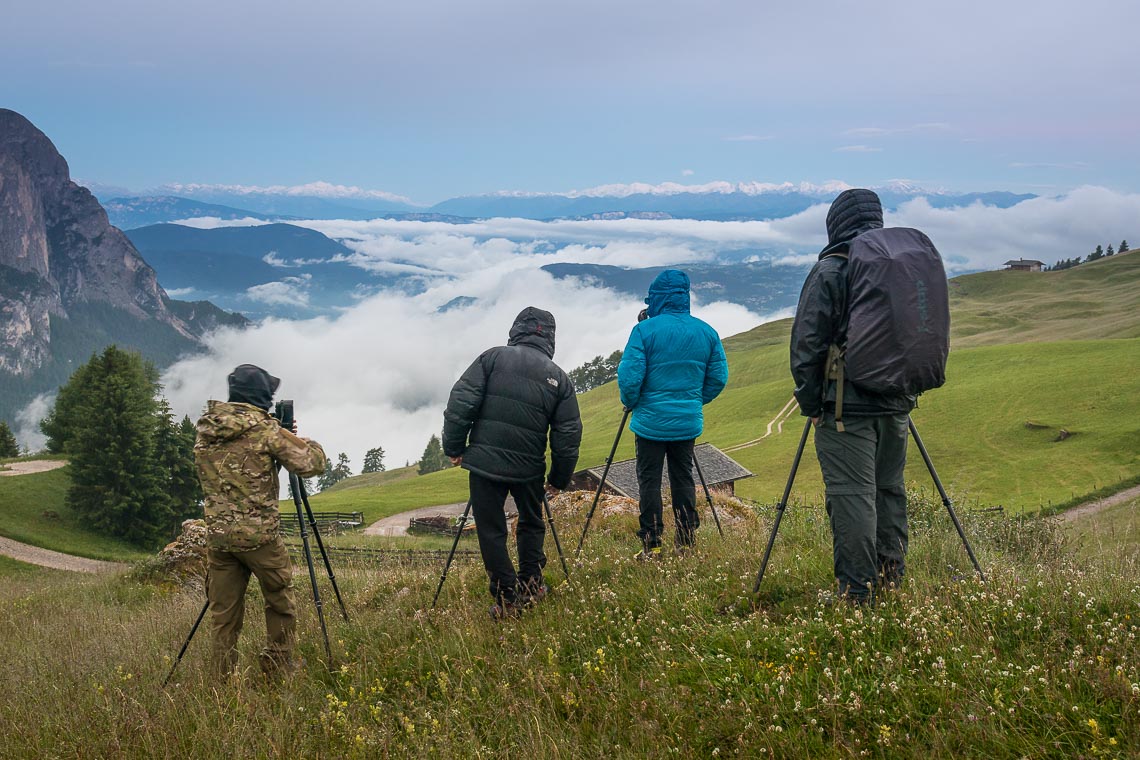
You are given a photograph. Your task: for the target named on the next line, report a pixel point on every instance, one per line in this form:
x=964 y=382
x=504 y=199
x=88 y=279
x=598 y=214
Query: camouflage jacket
x=237 y=451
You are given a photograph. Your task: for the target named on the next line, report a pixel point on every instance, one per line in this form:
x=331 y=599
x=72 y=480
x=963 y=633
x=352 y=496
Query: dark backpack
x=898 y=302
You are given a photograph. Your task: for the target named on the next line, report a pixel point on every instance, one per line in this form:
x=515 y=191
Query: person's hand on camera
x=551 y=491
x=456 y=461
x=815 y=421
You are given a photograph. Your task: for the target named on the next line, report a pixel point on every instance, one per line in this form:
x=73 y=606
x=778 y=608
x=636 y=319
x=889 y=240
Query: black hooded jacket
x=821 y=316
x=507 y=402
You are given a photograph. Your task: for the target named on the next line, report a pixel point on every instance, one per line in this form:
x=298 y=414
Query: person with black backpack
x=871 y=332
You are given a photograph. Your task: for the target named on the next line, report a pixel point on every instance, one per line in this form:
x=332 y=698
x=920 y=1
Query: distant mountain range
x=762 y=287
x=276 y=270
x=715 y=201
x=129 y=213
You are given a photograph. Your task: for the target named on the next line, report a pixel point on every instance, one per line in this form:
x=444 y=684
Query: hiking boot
x=533 y=597
x=648 y=554
x=505 y=610
x=276 y=668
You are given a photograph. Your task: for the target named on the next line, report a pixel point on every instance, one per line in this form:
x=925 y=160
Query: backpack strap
x=835 y=365
x=836 y=361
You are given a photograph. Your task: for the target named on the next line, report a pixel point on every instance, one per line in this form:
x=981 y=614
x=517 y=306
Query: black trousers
x=487 y=500
x=651 y=458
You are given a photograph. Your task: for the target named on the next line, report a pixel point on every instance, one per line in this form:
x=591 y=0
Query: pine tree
x=8 y=445
x=333 y=475
x=1097 y=254
x=598 y=371
x=115 y=479
x=1123 y=247
x=433 y=459
x=174 y=457
x=1108 y=251
x=64 y=418
x=373 y=460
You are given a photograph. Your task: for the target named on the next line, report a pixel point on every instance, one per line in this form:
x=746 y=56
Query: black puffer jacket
x=821 y=316
x=504 y=405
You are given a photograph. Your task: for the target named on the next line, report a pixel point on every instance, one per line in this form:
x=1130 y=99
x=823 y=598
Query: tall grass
x=632 y=659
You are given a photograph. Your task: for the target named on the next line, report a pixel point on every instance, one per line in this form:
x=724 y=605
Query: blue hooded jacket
x=673 y=364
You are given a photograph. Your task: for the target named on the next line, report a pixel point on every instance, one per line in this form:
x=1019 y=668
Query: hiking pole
x=458 y=532
x=186 y=645
x=708 y=495
x=781 y=507
x=295 y=489
x=321 y=546
x=554 y=534
x=945 y=499
x=602 y=482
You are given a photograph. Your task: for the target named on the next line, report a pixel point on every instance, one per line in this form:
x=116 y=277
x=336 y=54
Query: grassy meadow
x=33 y=509
x=669 y=658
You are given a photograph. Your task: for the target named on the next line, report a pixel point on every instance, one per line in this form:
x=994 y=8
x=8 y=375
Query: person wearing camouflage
x=238 y=450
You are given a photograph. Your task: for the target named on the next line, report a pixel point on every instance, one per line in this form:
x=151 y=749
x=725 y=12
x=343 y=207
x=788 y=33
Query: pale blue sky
x=437 y=98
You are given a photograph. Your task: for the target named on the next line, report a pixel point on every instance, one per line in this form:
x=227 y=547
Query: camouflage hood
x=227 y=420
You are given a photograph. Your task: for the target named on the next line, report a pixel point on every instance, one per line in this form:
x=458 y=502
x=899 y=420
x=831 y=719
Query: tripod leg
x=708 y=495
x=781 y=507
x=554 y=534
x=321 y=546
x=945 y=498
x=601 y=484
x=295 y=489
x=451 y=556
x=182 y=651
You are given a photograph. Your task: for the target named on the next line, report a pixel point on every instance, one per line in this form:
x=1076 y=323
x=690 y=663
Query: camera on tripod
x=283 y=412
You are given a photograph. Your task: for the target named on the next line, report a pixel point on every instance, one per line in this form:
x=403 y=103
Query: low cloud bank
x=379 y=373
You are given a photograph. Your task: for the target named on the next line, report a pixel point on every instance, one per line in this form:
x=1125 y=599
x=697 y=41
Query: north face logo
x=553 y=381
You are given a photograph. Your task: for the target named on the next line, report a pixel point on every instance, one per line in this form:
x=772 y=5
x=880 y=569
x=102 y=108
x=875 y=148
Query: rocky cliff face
x=58 y=251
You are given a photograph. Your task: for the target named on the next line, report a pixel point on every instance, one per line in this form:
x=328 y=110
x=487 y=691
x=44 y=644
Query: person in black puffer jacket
x=496 y=425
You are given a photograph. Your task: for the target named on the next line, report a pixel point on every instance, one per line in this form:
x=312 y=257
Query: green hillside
x=1032 y=354
x=33 y=509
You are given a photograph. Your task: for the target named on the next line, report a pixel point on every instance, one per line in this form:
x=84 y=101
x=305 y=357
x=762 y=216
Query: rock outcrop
x=58 y=250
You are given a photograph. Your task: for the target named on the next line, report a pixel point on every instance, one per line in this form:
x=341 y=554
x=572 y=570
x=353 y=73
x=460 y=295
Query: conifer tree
x=174 y=457
x=64 y=417
x=115 y=481
x=8 y=445
x=1108 y=251
x=1123 y=247
x=333 y=475
x=373 y=460
x=433 y=459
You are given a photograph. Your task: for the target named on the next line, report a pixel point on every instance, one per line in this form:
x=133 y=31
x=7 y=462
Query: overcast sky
x=436 y=98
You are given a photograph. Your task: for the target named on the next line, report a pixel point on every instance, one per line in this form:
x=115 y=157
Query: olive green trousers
x=866 y=499
x=226 y=584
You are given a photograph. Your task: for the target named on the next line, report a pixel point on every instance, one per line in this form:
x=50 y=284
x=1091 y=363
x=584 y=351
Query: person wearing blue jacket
x=672 y=366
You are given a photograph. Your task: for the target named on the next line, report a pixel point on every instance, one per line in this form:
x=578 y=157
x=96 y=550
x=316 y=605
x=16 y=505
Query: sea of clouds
x=378 y=372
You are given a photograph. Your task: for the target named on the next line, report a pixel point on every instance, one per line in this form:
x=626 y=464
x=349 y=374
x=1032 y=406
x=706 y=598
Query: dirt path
x=397 y=525
x=1092 y=507
x=31 y=467
x=781 y=417
x=34 y=555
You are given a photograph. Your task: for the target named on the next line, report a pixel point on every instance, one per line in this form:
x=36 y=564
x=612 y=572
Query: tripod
x=791 y=479
x=459 y=532
x=602 y=482
x=300 y=498
x=606 y=472
x=708 y=495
